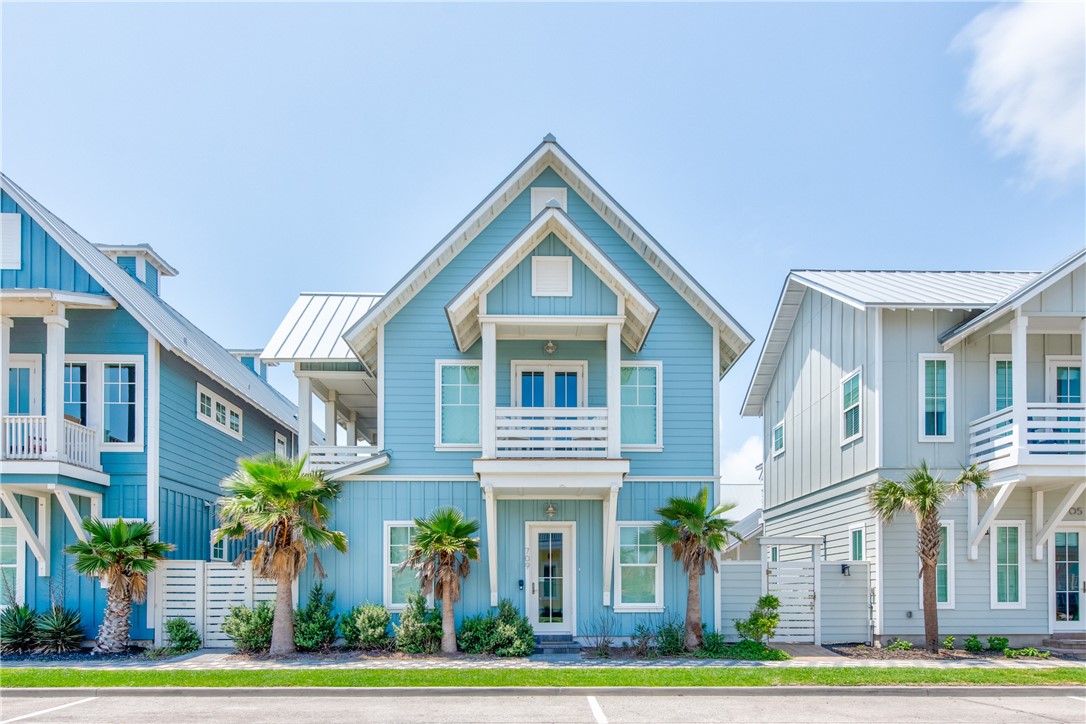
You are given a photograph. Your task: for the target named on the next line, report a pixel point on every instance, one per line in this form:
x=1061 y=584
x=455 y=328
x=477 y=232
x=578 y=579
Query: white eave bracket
x=1044 y=530
x=37 y=540
x=978 y=529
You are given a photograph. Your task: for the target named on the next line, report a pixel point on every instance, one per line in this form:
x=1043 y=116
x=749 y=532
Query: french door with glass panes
x=549 y=384
x=1068 y=587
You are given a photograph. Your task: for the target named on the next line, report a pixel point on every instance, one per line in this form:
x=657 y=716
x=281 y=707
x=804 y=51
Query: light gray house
x=864 y=374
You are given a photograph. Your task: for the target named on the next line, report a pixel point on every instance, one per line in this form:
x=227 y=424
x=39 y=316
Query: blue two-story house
x=549 y=369
x=113 y=405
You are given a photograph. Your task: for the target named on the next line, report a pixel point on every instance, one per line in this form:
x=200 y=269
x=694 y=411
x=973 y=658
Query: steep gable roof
x=734 y=340
x=872 y=289
x=313 y=328
x=172 y=330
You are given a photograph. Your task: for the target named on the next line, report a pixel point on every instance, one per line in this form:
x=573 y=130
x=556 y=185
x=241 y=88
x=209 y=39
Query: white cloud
x=1027 y=83
x=739 y=476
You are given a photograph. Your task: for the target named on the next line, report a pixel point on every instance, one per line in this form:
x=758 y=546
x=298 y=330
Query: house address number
x=1075 y=512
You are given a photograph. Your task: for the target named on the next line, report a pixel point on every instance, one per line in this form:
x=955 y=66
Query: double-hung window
x=281 y=448
x=11 y=563
x=75 y=392
x=1002 y=373
x=778 y=439
x=105 y=393
x=851 y=419
x=399 y=581
x=641 y=392
x=856 y=543
x=640 y=575
x=1008 y=561
x=457 y=424
x=944 y=568
x=936 y=377
x=119 y=399
x=218 y=412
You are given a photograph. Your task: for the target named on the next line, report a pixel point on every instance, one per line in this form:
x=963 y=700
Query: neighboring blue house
x=113 y=405
x=549 y=369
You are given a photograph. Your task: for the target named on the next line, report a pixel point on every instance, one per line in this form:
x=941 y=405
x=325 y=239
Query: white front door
x=1064 y=379
x=551 y=571
x=1067 y=582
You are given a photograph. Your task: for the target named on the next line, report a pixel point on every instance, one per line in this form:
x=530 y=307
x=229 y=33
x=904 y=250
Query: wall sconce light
x=845 y=570
x=550 y=347
x=550 y=511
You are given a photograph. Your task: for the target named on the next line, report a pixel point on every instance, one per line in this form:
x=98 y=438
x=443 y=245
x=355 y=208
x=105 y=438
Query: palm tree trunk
x=113 y=633
x=282 y=641
x=693 y=610
x=448 y=625
x=930 y=535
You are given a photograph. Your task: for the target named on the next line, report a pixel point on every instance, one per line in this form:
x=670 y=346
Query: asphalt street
x=600 y=709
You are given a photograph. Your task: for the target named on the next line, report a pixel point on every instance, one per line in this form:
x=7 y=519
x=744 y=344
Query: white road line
x=592 y=703
x=1077 y=698
x=46 y=711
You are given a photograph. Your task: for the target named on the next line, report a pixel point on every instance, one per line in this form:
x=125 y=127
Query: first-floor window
x=773 y=553
x=458 y=404
x=218 y=549
x=640 y=567
x=75 y=392
x=9 y=565
x=399 y=583
x=119 y=402
x=856 y=544
x=281 y=445
x=1007 y=571
x=942 y=567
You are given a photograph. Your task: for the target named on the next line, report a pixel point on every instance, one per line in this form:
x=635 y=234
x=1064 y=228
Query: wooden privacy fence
x=203 y=592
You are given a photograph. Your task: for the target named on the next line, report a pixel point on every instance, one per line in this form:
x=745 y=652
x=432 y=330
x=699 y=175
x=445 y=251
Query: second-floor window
x=1002 y=382
x=851 y=419
x=218 y=412
x=937 y=397
x=119 y=402
x=778 y=439
x=856 y=543
x=640 y=390
x=75 y=392
x=458 y=404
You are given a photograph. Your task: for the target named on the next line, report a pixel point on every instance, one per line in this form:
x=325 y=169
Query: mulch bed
x=860 y=651
x=333 y=656
x=76 y=657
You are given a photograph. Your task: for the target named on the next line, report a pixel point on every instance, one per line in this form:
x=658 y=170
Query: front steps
x=556 y=644
x=1070 y=645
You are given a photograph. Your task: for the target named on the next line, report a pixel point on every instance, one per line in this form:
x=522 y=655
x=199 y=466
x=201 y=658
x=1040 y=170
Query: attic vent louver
x=552 y=276
x=542 y=197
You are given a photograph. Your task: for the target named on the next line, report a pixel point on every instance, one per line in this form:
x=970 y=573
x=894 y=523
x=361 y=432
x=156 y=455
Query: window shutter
x=11 y=241
x=552 y=276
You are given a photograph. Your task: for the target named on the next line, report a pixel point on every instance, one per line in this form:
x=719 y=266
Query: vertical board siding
x=845 y=608
x=513 y=294
x=740 y=588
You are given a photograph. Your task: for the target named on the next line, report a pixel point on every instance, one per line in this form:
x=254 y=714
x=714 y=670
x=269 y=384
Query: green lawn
x=545 y=677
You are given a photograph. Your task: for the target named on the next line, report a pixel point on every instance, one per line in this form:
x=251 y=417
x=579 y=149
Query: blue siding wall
x=513 y=294
x=152 y=278
x=45 y=264
x=128 y=263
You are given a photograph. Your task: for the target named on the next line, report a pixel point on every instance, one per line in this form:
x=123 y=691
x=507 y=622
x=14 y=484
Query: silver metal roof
x=313 y=328
x=874 y=289
x=175 y=333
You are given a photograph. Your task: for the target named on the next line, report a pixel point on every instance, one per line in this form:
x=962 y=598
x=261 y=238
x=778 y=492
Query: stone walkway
x=803 y=657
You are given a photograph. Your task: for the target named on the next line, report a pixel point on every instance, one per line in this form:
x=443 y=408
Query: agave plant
x=59 y=631
x=18 y=626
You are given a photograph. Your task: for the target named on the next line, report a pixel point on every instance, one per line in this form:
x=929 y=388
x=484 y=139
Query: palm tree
x=286 y=507
x=925 y=495
x=695 y=534
x=441 y=555
x=121 y=555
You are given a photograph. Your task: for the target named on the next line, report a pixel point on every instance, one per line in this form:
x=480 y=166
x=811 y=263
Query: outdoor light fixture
x=550 y=511
x=845 y=570
x=550 y=347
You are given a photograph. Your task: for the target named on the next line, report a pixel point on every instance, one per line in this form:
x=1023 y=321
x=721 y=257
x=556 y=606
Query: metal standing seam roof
x=874 y=289
x=313 y=328
x=172 y=330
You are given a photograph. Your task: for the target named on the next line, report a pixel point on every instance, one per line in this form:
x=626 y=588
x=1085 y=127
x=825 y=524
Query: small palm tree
x=286 y=507
x=695 y=534
x=121 y=555
x=441 y=555
x=925 y=495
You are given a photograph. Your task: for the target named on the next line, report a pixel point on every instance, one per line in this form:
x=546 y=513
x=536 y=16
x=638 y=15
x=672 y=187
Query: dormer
x=251 y=359
x=141 y=261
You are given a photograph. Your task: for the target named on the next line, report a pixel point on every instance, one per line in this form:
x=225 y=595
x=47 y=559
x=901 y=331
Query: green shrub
x=314 y=623
x=182 y=636
x=670 y=637
x=59 y=631
x=506 y=634
x=250 y=628
x=948 y=643
x=973 y=645
x=643 y=641
x=366 y=627
x=1029 y=651
x=713 y=645
x=754 y=651
x=997 y=643
x=419 y=629
x=18 y=629
x=762 y=622
x=899 y=645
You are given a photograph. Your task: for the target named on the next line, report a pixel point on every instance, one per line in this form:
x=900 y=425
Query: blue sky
x=270 y=149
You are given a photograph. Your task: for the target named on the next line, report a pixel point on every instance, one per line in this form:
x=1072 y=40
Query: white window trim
x=11 y=240
x=950 y=596
x=1052 y=361
x=858 y=372
x=993 y=359
x=96 y=396
x=567 y=261
x=438 y=444
x=20 y=565
x=863 y=542
x=774 y=554
x=211 y=552
x=387 y=587
x=281 y=440
x=773 y=439
x=649 y=447
x=920 y=389
x=1021 y=525
x=621 y=607
x=542 y=194
x=215 y=398
x=33 y=363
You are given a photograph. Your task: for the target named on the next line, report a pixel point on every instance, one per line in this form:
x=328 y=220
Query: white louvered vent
x=542 y=195
x=11 y=241
x=552 y=276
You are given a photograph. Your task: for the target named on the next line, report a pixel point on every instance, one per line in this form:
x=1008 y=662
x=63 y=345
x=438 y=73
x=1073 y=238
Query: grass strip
x=851 y=676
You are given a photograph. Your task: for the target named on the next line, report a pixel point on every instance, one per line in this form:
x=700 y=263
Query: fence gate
x=203 y=592
x=795 y=584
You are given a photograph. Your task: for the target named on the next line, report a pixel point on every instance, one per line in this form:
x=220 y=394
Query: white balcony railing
x=551 y=432
x=329 y=457
x=25 y=438
x=1053 y=431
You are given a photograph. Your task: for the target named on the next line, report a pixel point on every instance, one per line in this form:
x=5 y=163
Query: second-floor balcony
x=26 y=437
x=1048 y=435
x=551 y=432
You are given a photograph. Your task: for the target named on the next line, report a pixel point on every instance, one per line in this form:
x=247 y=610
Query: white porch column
x=610 y=527
x=614 y=390
x=491 y=541
x=330 y=424
x=1019 y=365
x=305 y=415
x=488 y=390
x=55 y=325
x=352 y=429
x=6 y=324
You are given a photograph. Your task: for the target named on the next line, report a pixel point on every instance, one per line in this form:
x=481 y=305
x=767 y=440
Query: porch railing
x=329 y=457
x=25 y=438
x=1053 y=431
x=81 y=445
x=551 y=432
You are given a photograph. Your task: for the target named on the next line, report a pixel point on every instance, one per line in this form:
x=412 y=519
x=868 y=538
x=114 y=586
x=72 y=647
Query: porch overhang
x=43 y=302
x=38 y=538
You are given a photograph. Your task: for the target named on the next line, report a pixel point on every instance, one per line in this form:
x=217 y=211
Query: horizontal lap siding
x=845 y=604
x=740 y=588
x=513 y=294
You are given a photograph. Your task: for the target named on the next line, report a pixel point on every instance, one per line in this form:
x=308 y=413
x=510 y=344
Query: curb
x=446 y=691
